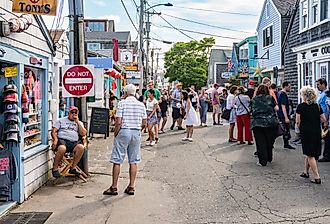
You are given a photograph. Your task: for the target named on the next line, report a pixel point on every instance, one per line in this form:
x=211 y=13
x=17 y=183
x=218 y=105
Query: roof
x=284 y=6
x=107 y=36
x=220 y=55
x=252 y=39
x=56 y=34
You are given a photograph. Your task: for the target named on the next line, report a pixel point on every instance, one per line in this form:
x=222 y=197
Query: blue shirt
x=322 y=101
x=176 y=95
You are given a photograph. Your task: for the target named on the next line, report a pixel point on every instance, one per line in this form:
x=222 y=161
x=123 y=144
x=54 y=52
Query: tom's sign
x=42 y=7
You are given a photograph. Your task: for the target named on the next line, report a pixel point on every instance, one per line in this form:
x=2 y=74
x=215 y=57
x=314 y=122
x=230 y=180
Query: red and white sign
x=78 y=80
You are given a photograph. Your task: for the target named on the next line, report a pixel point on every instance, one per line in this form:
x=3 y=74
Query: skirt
x=153 y=120
x=232 y=119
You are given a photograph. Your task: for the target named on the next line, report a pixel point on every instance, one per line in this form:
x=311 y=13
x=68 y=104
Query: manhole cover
x=26 y=218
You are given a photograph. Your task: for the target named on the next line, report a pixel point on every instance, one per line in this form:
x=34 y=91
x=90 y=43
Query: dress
x=310 y=129
x=191 y=118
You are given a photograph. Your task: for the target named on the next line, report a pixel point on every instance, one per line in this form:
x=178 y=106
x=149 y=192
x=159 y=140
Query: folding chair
x=67 y=162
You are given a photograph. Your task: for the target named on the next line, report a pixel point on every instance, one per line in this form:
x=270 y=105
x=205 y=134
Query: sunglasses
x=74 y=112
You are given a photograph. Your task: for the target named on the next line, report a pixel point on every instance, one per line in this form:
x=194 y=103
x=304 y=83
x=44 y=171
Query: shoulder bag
x=247 y=110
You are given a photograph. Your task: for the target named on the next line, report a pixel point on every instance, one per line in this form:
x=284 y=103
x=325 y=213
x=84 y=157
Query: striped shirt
x=132 y=113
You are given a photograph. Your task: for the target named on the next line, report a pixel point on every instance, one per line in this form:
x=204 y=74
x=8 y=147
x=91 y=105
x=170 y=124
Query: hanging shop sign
x=78 y=80
x=41 y=7
x=11 y=71
x=131 y=67
x=226 y=75
x=126 y=56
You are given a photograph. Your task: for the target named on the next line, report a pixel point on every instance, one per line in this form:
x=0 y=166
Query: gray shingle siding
x=290 y=60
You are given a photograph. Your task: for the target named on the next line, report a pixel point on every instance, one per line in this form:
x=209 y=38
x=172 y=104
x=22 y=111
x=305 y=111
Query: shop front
x=24 y=117
x=313 y=63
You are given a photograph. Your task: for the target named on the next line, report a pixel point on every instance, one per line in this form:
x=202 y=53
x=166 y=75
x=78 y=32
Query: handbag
x=226 y=114
x=280 y=129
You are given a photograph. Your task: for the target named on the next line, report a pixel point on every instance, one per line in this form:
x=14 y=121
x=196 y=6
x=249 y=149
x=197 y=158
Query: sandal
x=111 y=191
x=316 y=181
x=129 y=190
x=304 y=175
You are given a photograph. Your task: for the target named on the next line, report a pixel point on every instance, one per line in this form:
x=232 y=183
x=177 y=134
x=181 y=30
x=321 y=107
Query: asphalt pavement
x=207 y=181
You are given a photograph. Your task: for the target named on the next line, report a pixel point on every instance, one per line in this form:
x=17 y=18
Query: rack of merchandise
x=31 y=109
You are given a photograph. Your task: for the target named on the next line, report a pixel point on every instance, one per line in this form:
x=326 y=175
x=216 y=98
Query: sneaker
x=148 y=139
x=324 y=160
x=172 y=127
x=181 y=129
x=190 y=140
x=74 y=172
x=297 y=142
x=152 y=143
x=289 y=147
x=56 y=173
x=255 y=154
x=214 y=123
x=258 y=164
x=184 y=139
x=148 y=144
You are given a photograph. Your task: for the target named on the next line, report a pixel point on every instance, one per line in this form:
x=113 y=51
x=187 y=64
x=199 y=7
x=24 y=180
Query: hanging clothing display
x=8 y=173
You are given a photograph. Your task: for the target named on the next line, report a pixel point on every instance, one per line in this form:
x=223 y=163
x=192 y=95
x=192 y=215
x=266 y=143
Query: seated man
x=65 y=134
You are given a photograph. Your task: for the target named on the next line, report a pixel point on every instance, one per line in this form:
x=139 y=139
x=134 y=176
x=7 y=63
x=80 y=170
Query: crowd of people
x=260 y=112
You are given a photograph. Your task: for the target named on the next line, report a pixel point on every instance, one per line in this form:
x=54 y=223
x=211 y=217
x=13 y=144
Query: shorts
x=127 y=141
x=153 y=119
x=70 y=145
x=176 y=113
x=163 y=114
x=216 y=109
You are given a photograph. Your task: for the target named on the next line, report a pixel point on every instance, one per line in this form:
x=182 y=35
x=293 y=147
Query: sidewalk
x=73 y=201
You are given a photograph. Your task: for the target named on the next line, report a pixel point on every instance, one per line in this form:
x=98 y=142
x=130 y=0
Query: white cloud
x=99 y=3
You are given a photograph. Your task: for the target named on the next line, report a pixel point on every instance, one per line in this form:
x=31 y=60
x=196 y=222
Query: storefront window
x=324 y=70
x=31 y=107
x=307 y=74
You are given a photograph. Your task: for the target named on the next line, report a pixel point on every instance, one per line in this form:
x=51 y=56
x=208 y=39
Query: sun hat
x=10 y=88
x=11 y=97
x=11 y=108
x=12 y=136
x=11 y=128
x=12 y=118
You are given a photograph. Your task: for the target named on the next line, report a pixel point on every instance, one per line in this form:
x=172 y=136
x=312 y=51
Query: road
x=207 y=181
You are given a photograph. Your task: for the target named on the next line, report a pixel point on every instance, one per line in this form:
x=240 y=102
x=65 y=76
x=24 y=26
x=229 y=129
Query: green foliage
x=188 y=62
x=234 y=81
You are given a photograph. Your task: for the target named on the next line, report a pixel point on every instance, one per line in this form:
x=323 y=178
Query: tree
x=188 y=62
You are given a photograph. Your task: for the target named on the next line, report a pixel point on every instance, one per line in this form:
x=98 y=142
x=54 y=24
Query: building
x=271 y=30
x=307 y=46
x=217 y=68
x=27 y=61
x=244 y=59
x=99 y=25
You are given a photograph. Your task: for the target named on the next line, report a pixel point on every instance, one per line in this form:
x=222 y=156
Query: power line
x=192 y=31
x=129 y=16
x=135 y=4
x=217 y=11
x=205 y=24
x=172 y=25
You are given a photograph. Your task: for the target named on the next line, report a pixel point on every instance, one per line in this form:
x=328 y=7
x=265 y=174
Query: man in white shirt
x=131 y=117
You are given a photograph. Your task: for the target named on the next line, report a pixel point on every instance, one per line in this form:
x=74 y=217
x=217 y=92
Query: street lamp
x=148 y=31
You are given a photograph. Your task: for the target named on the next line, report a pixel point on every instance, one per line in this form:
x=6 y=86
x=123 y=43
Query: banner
x=41 y=7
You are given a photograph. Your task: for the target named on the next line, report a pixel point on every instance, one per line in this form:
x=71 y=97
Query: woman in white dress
x=190 y=116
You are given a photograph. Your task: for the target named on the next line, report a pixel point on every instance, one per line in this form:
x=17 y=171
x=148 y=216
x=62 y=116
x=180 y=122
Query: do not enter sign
x=78 y=80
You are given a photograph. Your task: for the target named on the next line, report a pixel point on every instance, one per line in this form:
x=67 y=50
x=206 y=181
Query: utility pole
x=77 y=56
x=148 y=44
x=141 y=35
x=152 y=65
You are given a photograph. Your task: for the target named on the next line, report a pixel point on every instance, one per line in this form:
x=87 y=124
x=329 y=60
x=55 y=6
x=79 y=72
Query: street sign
x=78 y=80
x=41 y=7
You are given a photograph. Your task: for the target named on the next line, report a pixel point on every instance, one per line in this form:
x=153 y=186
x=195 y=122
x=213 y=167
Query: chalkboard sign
x=99 y=121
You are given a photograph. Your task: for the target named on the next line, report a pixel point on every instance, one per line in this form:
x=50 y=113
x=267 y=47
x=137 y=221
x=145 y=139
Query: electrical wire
x=192 y=31
x=135 y=4
x=205 y=24
x=172 y=25
x=59 y=19
x=217 y=11
x=129 y=16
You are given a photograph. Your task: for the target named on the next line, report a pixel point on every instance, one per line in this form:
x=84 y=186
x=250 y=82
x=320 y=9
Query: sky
x=113 y=9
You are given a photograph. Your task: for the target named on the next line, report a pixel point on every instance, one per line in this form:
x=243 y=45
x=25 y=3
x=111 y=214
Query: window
x=324 y=10
x=93 y=46
x=244 y=52
x=267 y=10
x=307 y=74
x=304 y=15
x=324 y=70
x=315 y=11
x=95 y=26
x=268 y=36
x=255 y=51
x=107 y=46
